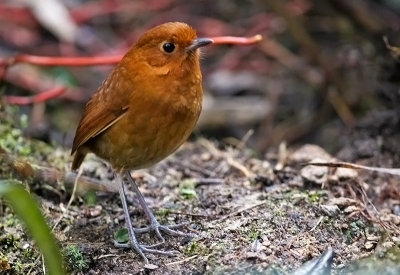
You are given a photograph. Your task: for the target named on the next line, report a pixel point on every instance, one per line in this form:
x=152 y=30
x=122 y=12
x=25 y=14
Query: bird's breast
x=153 y=127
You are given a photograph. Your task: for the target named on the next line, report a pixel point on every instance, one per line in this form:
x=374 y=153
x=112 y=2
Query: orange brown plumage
x=147 y=107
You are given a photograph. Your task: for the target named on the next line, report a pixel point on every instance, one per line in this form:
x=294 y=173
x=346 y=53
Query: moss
x=253 y=234
x=90 y=198
x=162 y=212
x=187 y=189
x=10 y=246
x=354 y=231
x=249 y=231
x=4 y=263
x=196 y=248
x=314 y=197
x=74 y=258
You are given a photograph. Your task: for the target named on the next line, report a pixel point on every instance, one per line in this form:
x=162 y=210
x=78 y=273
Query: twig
x=182 y=261
x=71 y=199
x=318 y=222
x=395 y=51
x=52 y=176
x=241 y=210
x=106 y=256
x=190 y=214
x=229 y=159
x=232 y=162
x=392 y=171
x=208 y=181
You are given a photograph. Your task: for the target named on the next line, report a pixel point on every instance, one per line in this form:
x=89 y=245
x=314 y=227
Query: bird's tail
x=78 y=159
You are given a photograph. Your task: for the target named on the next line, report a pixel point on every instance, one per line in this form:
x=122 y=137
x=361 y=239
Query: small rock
x=342 y=202
x=234 y=225
x=264 y=240
x=96 y=211
x=395 y=219
x=310 y=152
x=346 y=173
x=373 y=238
x=150 y=266
x=388 y=244
x=330 y=210
x=81 y=222
x=251 y=255
x=315 y=174
x=351 y=209
x=369 y=245
x=255 y=246
x=396 y=209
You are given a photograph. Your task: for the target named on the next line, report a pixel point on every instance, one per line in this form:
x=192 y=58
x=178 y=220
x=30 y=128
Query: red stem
x=86 y=61
x=43 y=96
x=66 y=61
x=218 y=40
x=105 y=60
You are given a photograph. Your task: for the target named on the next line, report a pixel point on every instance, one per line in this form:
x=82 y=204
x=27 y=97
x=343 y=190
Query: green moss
x=253 y=234
x=4 y=263
x=187 y=189
x=74 y=258
x=354 y=231
x=90 y=198
x=9 y=247
x=10 y=220
x=314 y=197
x=8 y=242
x=162 y=213
x=196 y=248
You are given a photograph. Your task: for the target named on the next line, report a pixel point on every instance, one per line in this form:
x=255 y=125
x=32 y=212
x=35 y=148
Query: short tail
x=78 y=159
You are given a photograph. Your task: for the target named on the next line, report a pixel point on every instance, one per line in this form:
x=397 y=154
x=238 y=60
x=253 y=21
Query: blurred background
x=322 y=68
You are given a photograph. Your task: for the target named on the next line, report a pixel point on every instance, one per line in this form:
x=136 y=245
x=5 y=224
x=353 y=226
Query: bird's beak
x=199 y=42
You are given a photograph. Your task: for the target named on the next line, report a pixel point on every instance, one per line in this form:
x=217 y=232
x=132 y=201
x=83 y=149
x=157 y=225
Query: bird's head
x=170 y=45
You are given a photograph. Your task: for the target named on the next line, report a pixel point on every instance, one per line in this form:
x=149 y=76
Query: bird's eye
x=168 y=47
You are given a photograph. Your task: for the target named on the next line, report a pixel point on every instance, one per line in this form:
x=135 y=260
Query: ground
x=250 y=213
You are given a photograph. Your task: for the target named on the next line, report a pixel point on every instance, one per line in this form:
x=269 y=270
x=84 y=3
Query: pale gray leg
x=141 y=249
x=154 y=224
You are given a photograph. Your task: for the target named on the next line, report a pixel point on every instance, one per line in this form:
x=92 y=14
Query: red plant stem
x=43 y=96
x=218 y=40
x=66 y=61
x=87 y=61
x=105 y=60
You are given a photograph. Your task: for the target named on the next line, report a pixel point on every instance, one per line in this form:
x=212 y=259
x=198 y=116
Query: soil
x=251 y=214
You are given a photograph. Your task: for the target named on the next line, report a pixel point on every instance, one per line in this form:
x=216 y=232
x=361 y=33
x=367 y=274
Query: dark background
x=321 y=69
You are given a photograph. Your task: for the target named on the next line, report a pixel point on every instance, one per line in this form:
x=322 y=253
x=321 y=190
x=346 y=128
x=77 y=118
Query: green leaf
x=28 y=211
x=121 y=235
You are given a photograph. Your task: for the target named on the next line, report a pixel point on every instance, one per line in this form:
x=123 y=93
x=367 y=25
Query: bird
x=142 y=112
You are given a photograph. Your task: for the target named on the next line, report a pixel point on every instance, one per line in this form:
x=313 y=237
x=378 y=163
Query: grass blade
x=27 y=209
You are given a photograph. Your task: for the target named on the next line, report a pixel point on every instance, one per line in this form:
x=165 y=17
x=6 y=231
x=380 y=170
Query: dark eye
x=168 y=47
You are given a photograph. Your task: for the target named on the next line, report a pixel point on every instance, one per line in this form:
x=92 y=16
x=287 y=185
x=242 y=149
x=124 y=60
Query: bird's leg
x=141 y=249
x=154 y=224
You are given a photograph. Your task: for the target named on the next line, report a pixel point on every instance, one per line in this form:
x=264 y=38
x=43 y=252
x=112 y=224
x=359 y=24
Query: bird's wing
x=107 y=106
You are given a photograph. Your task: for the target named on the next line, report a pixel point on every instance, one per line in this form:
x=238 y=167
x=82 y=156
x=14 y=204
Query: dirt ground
x=252 y=214
x=322 y=75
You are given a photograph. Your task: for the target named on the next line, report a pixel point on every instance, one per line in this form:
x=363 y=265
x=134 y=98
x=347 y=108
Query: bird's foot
x=156 y=227
x=146 y=249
